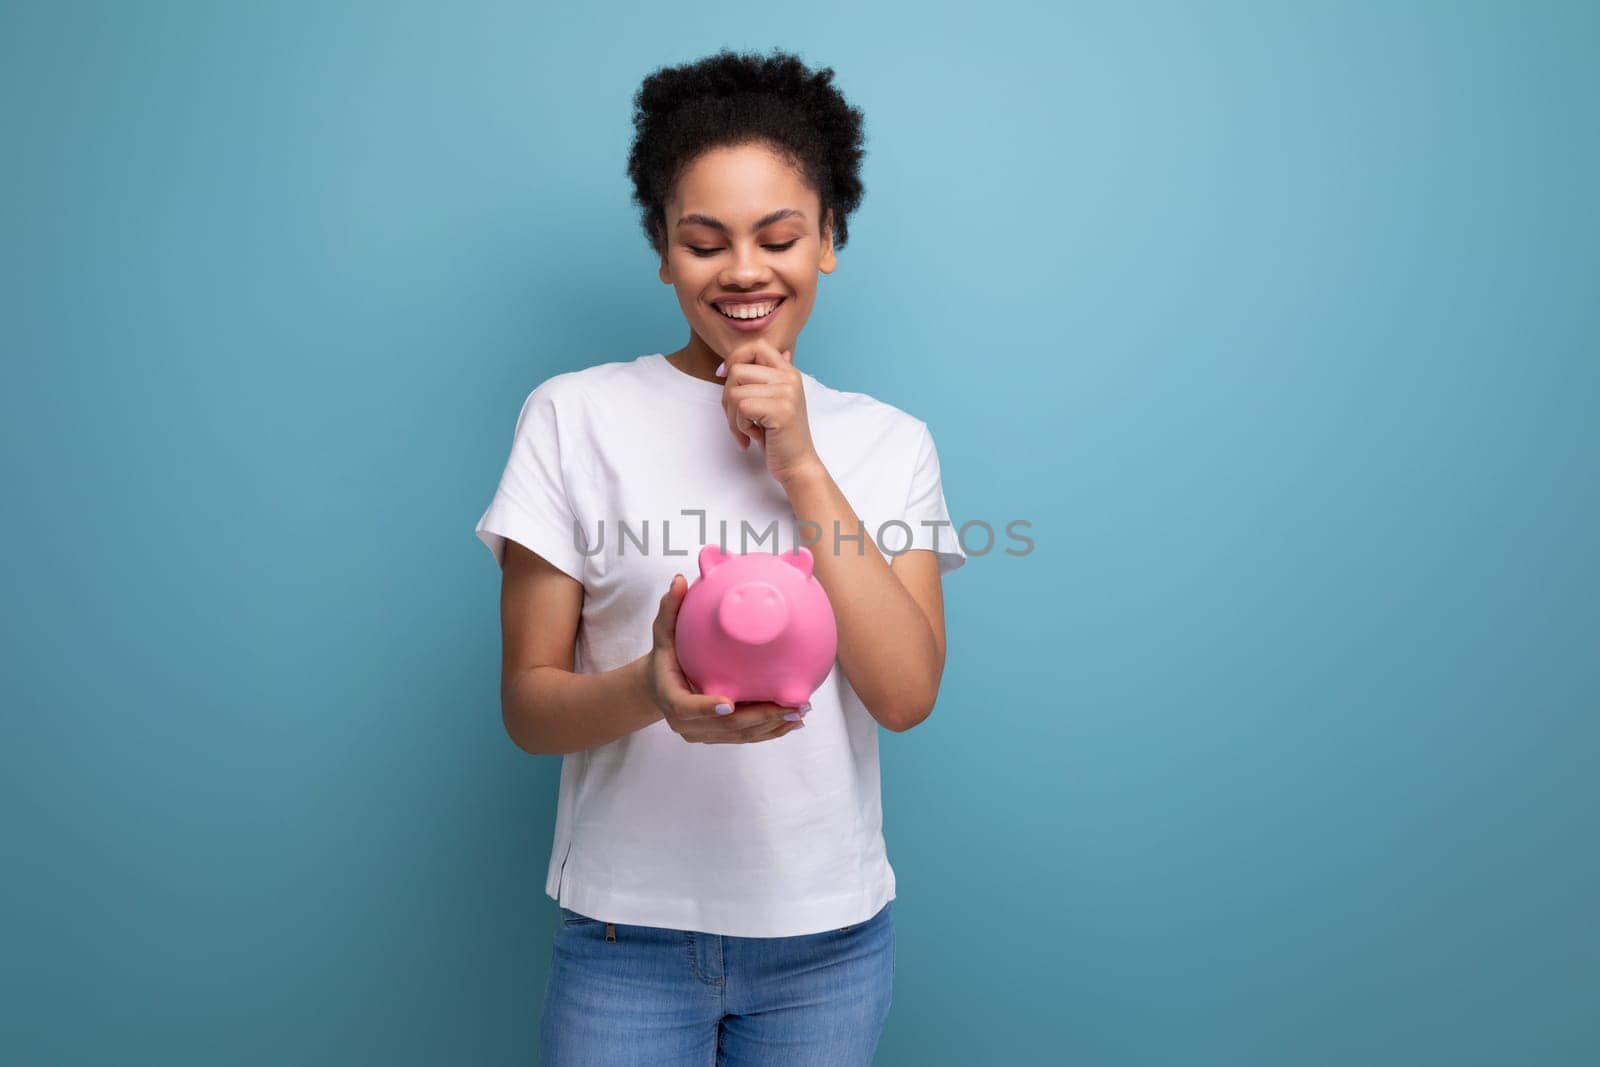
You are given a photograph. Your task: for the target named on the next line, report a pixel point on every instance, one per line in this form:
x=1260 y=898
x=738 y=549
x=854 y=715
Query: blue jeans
x=662 y=997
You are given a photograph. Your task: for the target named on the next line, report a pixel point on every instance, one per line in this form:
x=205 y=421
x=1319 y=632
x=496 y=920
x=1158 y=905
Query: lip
x=752 y=325
x=748 y=298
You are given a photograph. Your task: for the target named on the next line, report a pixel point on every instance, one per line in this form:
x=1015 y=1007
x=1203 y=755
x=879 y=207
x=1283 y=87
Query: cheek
x=694 y=279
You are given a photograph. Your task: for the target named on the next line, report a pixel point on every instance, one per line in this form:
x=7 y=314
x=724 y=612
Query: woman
x=722 y=886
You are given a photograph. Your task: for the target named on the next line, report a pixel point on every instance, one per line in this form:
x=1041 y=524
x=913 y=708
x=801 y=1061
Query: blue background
x=1277 y=322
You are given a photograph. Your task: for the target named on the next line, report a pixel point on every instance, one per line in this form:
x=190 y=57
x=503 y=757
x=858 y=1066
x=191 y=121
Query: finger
x=747 y=422
x=746 y=390
x=699 y=710
x=740 y=430
x=756 y=721
x=753 y=430
x=759 y=353
x=757 y=716
x=739 y=354
x=750 y=422
x=766 y=354
x=762 y=409
x=760 y=364
x=756 y=414
x=743 y=718
x=667 y=614
x=759 y=374
x=768 y=727
x=766 y=735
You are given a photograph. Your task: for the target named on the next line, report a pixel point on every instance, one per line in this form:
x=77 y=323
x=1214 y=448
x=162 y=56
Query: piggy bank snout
x=753 y=612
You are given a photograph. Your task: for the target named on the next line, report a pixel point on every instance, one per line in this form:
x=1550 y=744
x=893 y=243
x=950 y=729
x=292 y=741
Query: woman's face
x=742 y=222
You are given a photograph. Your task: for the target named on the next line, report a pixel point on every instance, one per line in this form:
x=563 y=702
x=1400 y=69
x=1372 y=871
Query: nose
x=748 y=271
x=753 y=613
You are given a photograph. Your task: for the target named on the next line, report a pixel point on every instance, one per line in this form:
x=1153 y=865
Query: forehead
x=740 y=185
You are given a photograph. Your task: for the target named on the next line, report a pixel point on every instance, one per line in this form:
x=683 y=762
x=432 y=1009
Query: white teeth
x=748 y=311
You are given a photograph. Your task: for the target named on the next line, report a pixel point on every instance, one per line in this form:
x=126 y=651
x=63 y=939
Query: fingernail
x=722 y=369
x=806 y=706
x=724 y=709
x=793 y=716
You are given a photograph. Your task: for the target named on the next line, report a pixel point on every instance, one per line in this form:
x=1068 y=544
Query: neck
x=698 y=359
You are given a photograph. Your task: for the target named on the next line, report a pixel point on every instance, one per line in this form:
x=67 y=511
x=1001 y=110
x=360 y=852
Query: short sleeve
x=925 y=508
x=531 y=506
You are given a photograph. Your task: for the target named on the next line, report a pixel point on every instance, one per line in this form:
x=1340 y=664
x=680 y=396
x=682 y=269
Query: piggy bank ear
x=800 y=559
x=711 y=556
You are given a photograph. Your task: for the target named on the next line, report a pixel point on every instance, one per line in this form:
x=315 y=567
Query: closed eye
x=772 y=248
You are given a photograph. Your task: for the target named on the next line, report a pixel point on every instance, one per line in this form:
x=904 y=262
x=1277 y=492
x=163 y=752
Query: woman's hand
x=691 y=715
x=765 y=401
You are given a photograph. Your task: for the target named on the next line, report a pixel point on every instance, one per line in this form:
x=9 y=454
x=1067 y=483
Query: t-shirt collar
x=682 y=382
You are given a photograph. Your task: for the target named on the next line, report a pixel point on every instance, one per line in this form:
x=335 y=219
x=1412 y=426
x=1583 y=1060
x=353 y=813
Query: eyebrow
x=765 y=220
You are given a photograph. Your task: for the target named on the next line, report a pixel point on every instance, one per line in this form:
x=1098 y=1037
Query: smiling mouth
x=771 y=310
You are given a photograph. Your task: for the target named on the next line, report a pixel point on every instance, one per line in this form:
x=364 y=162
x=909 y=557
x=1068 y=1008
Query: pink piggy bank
x=756 y=627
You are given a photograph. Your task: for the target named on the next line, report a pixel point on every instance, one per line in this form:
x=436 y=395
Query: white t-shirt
x=769 y=839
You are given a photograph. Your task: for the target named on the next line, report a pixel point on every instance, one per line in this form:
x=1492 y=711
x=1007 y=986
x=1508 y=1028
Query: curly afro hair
x=729 y=99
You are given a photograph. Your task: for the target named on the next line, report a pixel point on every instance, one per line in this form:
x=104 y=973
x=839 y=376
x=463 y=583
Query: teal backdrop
x=1277 y=322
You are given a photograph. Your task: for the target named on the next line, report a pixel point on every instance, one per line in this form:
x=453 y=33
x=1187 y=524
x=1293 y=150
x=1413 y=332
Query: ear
x=659 y=240
x=711 y=556
x=828 y=262
x=800 y=559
